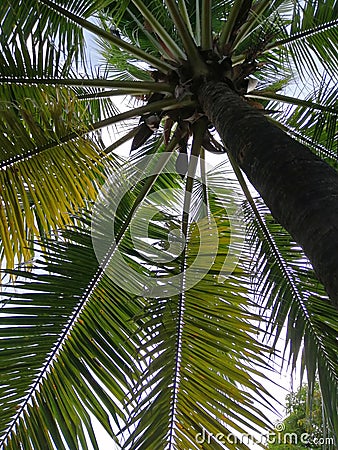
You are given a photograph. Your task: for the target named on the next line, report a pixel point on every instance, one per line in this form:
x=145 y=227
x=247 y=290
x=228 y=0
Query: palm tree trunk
x=299 y=188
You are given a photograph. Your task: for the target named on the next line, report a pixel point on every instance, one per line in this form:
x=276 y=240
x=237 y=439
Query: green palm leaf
x=96 y=331
x=131 y=315
x=196 y=379
x=312 y=35
x=41 y=186
x=312 y=120
x=44 y=392
x=291 y=296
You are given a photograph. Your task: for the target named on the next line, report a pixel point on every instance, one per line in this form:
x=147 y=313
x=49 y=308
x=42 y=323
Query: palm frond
x=312 y=119
x=101 y=340
x=310 y=320
x=319 y=125
x=37 y=27
x=65 y=348
x=187 y=40
x=127 y=47
x=285 y=286
x=41 y=189
x=312 y=38
x=193 y=377
x=60 y=279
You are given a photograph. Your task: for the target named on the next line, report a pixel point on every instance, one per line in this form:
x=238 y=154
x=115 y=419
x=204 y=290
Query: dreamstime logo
x=279 y=426
x=115 y=208
x=277 y=436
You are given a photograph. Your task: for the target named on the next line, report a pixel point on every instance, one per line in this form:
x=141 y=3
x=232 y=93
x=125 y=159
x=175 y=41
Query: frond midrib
x=282 y=264
x=301 y=35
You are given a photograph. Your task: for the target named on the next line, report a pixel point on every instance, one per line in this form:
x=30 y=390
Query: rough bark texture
x=299 y=188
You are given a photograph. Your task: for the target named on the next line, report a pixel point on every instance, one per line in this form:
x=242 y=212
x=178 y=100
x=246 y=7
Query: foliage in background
x=302 y=420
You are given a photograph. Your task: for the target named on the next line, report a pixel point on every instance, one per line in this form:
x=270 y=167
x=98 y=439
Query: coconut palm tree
x=150 y=294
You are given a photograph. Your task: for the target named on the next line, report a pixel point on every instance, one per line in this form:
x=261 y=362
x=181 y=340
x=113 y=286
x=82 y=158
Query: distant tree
x=302 y=420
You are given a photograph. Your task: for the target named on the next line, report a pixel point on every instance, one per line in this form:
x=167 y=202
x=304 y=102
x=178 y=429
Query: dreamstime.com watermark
x=110 y=212
x=277 y=436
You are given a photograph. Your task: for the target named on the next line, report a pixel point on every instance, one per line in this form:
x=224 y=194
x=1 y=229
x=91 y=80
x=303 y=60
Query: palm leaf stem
x=128 y=86
x=198 y=23
x=204 y=181
x=129 y=48
x=183 y=9
x=230 y=23
x=198 y=66
x=155 y=42
x=268 y=236
x=111 y=93
x=302 y=35
x=206 y=30
x=296 y=295
x=237 y=59
x=156 y=106
x=90 y=288
x=143 y=192
x=121 y=141
x=321 y=149
x=305 y=139
x=198 y=133
x=251 y=22
x=265 y=95
x=161 y=32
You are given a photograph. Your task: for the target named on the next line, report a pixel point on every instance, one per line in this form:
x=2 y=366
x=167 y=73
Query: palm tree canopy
x=99 y=317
